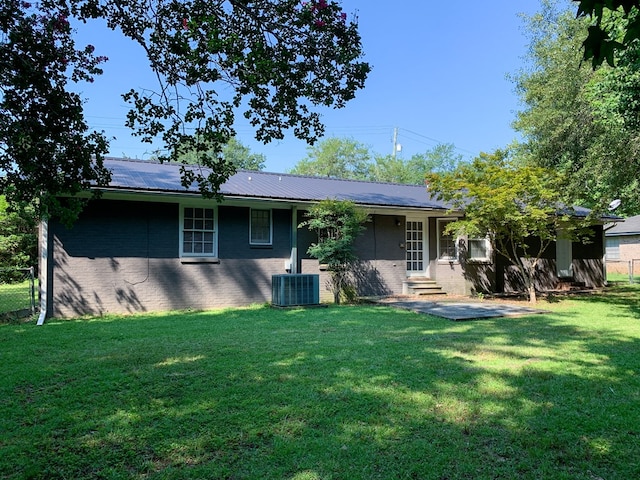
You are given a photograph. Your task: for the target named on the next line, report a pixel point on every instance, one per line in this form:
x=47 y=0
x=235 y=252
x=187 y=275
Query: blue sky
x=439 y=76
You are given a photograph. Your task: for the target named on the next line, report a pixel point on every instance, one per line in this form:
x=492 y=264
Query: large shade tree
x=350 y=159
x=271 y=61
x=234 y=152
x=337 y=158
x=576 y=120
x=440 y=158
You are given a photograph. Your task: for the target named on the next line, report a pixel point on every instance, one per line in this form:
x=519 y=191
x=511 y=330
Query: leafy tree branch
x=272 y=61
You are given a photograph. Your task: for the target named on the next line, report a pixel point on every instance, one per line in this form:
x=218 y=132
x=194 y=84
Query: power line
x=438 y=142
x=350 y=130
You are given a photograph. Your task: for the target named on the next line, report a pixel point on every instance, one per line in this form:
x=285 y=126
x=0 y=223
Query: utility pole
x=395 y=142
x=396 y=146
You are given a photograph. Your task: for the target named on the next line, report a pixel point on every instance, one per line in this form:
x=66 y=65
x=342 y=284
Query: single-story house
x=623 y=246
x=149 y=244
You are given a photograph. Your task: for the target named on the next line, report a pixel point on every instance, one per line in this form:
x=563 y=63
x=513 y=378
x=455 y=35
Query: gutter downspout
x=43 y=270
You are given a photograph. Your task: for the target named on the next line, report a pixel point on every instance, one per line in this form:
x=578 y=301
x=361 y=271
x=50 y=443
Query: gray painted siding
x=381 y=268
x=122 y=257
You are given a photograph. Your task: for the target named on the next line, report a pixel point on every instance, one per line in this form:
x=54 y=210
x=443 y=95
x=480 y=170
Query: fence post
x=32 y=288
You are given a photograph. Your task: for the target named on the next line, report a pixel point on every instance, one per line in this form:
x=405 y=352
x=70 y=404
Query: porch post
x=294 y=240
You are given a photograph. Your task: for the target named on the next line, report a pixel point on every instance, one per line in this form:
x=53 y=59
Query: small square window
x=479 y=249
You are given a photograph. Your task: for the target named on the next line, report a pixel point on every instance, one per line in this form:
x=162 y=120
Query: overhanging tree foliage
x=46 y=148
x=337 y=224
x=615 y=26
x=519 y=208
x=271 y=61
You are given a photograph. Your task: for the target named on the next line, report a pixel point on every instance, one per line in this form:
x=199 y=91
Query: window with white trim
x=260 y=227
x=479 y=249
x=198 y=232
x=612 y=248
x=447 y=248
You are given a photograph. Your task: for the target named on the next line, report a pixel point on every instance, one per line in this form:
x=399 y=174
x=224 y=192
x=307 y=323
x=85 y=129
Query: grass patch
x=617 y=278
x=335 y=393
x=15 y=296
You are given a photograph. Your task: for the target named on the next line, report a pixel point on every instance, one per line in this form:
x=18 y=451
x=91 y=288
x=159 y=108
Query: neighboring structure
x=623 y=246
x=148 y=244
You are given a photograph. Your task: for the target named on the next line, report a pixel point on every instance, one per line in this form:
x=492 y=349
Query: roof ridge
x=132 y=160
x=264 y=172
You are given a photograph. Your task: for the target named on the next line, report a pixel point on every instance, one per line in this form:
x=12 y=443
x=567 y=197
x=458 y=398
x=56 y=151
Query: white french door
x=416 y=248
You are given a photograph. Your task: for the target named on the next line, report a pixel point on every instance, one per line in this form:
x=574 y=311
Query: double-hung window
x=447 y=249
x=260 y=227
x=198 y=232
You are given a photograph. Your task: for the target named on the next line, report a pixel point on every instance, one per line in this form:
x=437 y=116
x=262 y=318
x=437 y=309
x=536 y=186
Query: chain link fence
x=17 y=293
x=629 y=268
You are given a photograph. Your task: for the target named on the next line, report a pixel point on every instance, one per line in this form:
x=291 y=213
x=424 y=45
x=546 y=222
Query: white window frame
x=439 y=228
x=261 y=243
x=192 y=255
x=485 y=259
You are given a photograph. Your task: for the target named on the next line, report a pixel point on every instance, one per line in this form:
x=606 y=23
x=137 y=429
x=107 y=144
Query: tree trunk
x=337 y=286
x=528 y=276
x=530 y=272
x=532 y=293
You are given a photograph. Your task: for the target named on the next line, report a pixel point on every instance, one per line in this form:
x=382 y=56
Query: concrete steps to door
x=421 y=286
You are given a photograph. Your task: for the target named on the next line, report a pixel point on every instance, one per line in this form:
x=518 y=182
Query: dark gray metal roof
x=155 y=177
x=630 y=226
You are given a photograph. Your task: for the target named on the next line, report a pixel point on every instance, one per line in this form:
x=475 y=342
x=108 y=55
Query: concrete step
x=421 y=286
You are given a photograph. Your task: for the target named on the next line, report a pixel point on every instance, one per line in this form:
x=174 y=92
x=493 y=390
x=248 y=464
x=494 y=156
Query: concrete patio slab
x=462 y=310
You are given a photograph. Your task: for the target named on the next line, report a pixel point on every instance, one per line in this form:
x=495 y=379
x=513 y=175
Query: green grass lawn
x=345 y=392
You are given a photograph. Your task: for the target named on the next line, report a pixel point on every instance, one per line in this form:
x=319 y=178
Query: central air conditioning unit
x=295 y=289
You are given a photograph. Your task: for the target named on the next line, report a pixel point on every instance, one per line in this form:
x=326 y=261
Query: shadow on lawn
x=354 y=393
